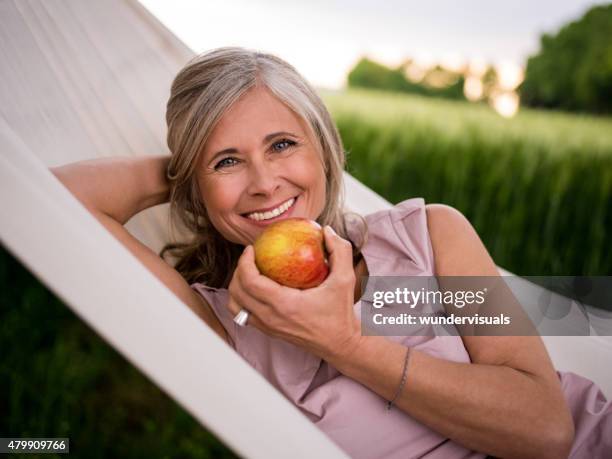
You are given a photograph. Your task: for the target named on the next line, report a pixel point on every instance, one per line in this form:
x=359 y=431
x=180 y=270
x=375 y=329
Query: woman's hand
x=320 y=319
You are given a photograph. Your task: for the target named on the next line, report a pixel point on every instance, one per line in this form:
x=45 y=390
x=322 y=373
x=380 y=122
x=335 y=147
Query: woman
x=252 y=143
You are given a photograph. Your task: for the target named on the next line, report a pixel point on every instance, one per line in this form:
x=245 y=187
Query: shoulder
x=458 y=250
x=447 y=226
x=442 y=213
x=447 y=222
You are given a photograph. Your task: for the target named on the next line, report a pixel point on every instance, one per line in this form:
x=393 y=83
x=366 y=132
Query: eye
x=221 y=164
x=282 y=144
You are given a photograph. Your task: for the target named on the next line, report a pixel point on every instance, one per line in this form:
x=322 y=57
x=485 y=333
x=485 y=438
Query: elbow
x=566 y=442
x=560 y=441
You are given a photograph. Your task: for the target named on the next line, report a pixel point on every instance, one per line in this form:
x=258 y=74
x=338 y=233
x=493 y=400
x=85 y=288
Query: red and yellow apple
x=292 y=253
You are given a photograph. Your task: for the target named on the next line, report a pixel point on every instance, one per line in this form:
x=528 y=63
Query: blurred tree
x=490 y=81
x=440 y=82
x=370 y=74
x=573 y=69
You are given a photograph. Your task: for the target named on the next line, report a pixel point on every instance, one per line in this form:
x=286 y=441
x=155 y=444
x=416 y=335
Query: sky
x=324 y=39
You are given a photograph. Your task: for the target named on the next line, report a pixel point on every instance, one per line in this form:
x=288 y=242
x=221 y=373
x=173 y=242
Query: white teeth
x=273 y=213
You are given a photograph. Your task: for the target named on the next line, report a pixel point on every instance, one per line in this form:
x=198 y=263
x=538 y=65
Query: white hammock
x=72 y=91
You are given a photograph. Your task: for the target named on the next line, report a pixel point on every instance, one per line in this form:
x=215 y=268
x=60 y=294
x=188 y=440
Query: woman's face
x=259 y=157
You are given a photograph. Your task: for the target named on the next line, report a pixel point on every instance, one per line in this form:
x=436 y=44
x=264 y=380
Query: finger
x=247 y=262
x=235 y=307
x=246 y=301
x=236 y=303
x=340 y=253
x=254 y=321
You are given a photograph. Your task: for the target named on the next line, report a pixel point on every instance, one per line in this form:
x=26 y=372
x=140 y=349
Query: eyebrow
x=265 y=140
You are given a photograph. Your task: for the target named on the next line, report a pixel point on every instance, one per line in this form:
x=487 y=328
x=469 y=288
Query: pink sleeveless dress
x=355 y=417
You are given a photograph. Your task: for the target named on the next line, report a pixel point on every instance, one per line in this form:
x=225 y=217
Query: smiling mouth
x=272 y=215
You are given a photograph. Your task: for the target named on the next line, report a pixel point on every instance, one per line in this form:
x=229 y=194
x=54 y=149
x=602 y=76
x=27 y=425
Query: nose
x=263 y=180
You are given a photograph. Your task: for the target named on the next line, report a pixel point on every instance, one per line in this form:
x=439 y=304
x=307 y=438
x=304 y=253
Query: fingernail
x=330 y=230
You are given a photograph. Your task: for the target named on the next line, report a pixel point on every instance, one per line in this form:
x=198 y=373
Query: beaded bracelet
x=403 y=382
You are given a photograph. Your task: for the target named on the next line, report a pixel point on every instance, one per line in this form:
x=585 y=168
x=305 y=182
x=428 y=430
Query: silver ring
x=242 y=317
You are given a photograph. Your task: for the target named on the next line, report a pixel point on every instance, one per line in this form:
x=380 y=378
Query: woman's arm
x=119 y=187
x=507 y=403
x=114 y=190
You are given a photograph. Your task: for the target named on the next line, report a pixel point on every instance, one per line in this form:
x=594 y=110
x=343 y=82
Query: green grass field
x=558 y=131
x=537 y=187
